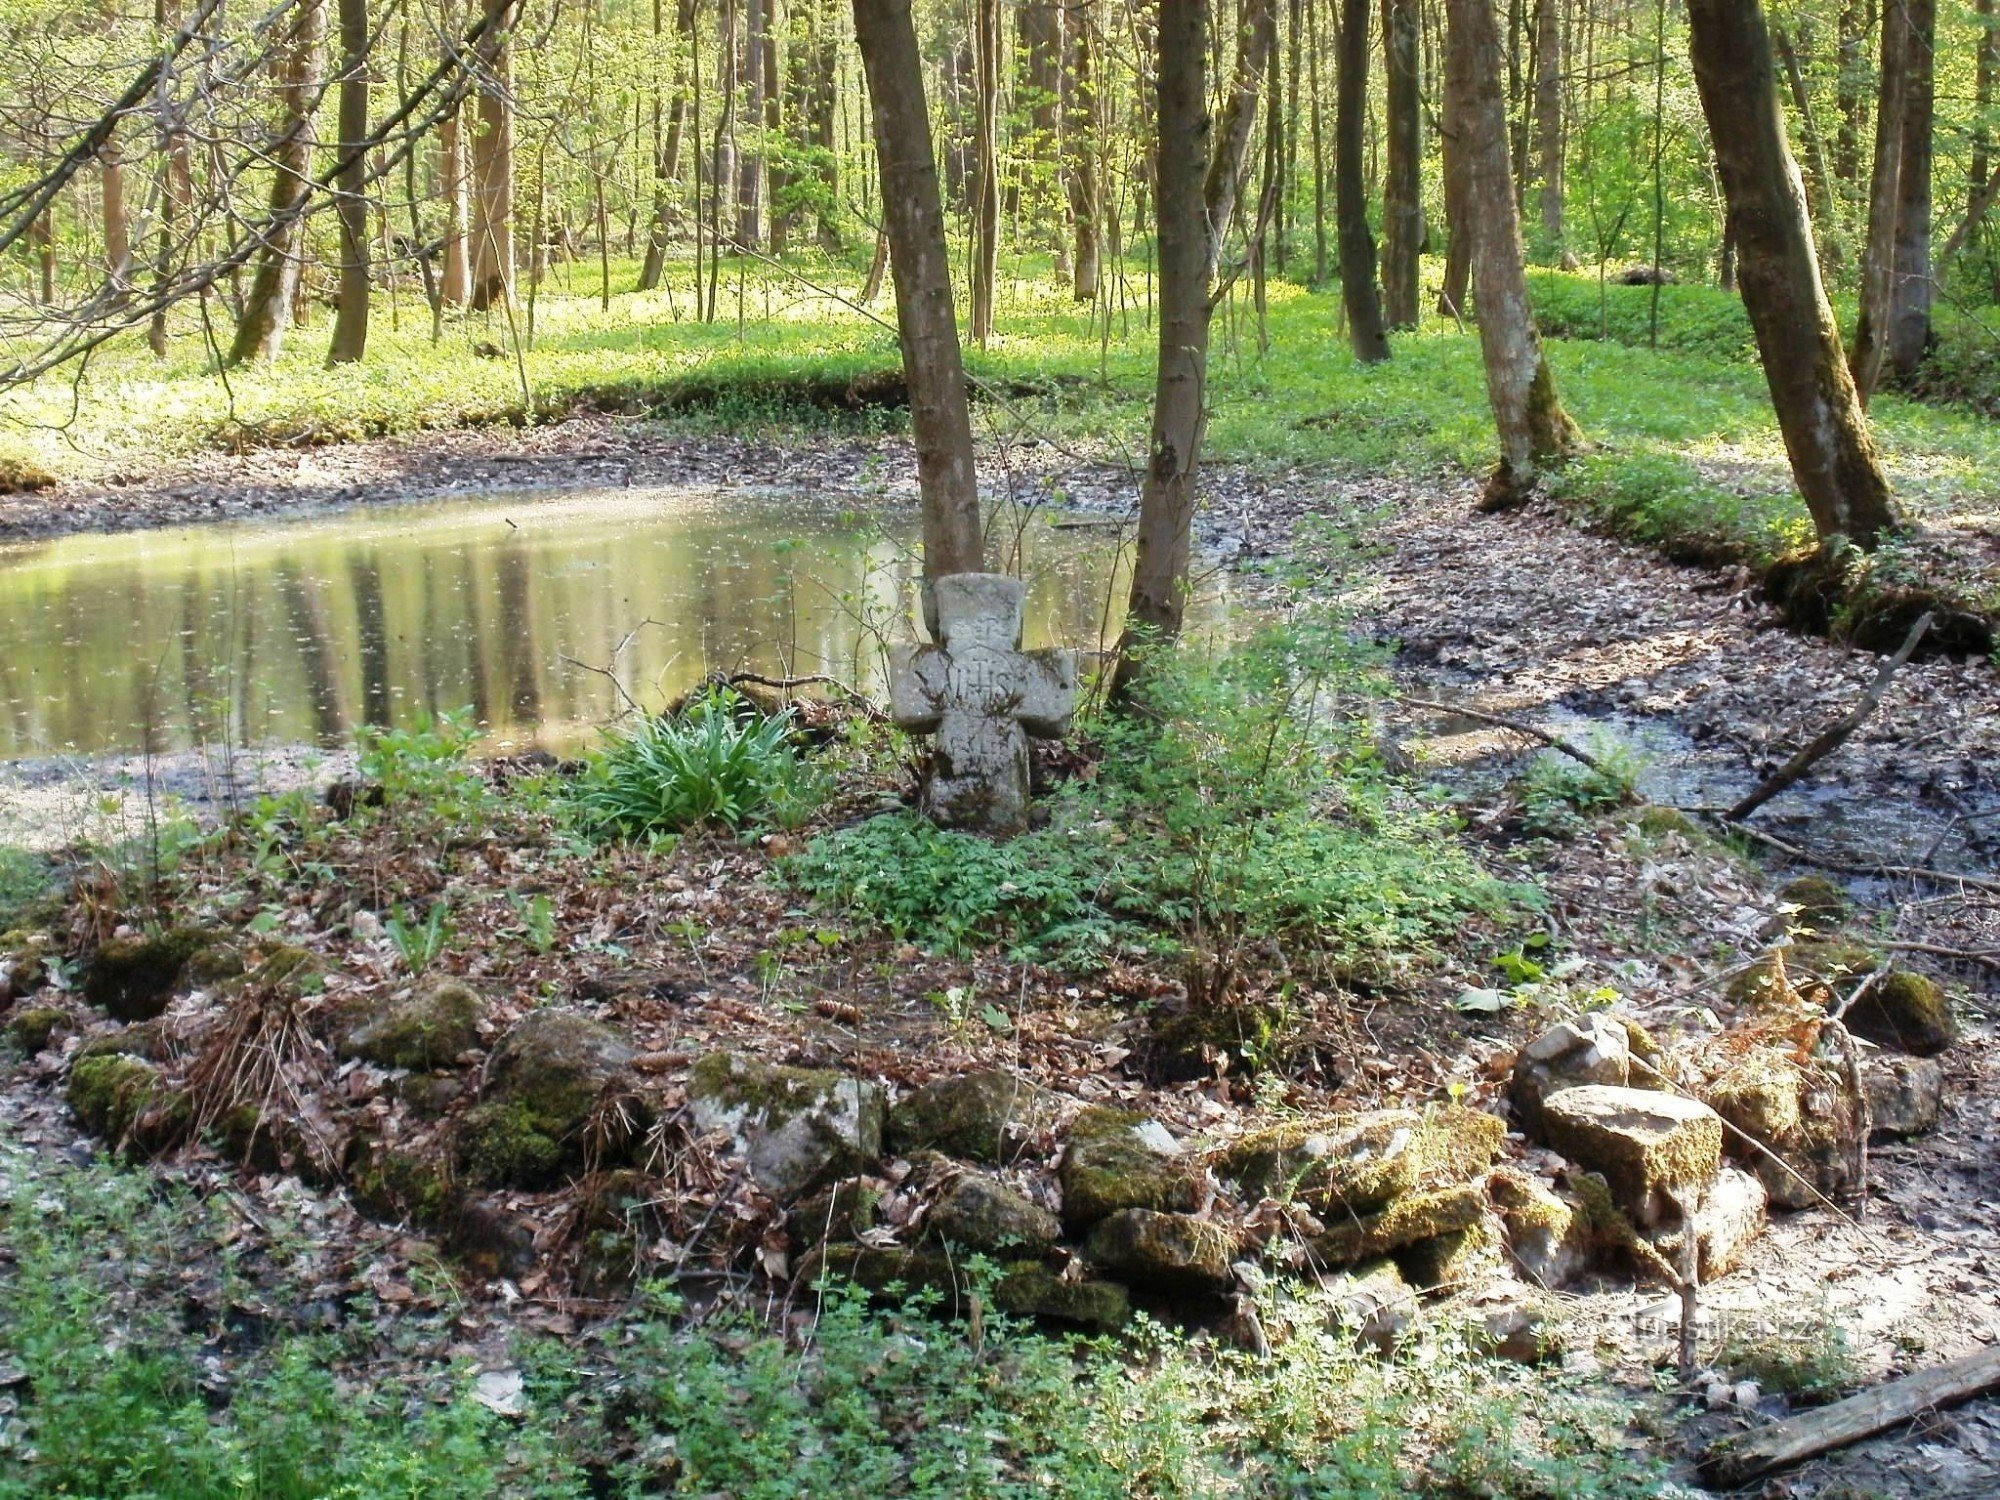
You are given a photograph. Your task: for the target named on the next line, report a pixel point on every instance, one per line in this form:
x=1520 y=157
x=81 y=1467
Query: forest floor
x=1679 y=674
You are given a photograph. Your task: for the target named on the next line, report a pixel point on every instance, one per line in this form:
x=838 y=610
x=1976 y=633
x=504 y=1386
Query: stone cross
x=982 y=696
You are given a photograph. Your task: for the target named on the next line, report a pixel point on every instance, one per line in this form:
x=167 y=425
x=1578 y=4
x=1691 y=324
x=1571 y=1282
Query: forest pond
x=522 y=609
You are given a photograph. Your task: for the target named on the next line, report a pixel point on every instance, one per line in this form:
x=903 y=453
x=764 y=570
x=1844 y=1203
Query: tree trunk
x=1822 y=174
x=1911 y=287
x=1985 y=84
x=1402 y=182
x=1080 y=148
x=1834 y=461
x=1535 y=432
x=1457 y=209
x=1318 y=145
x=1166 y=500
x=750 y=164
x=350 y=323
x=454 y=180
x=1038 y=56
x=1550 y=57
x=117 y=227
x=1851 y=35
x=493 y=173
x=1229 y=162
x=1878 y=269
x=1357 y=244
x=913 y=218
x=986 y=186
x=260 y=331
x=666 y=149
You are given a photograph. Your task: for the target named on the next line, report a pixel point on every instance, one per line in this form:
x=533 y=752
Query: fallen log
x=1740 y=1458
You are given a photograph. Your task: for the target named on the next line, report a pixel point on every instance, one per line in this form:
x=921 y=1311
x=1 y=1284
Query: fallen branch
x=1738 y=1460
x=1990 y=957
x=786 y=684
x=1533 y=732
x=1832 y=738
x=1849 y=866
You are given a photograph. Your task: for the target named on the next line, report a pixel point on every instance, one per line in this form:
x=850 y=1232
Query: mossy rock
x=1906 y=1011
x=1166 y=1252
x=430 y=1094
x=611 y=1228
x=1803 y=1112
x=1456 y=1258
x=126 y=1102
x=133 y=979
x=1822 y=904
x=795 y=1128
x=19 y=476
x=1116 y=1160
x=23 y=966
x=982 y=1214
x=1550 y=1237
x=144 y=1040
x=1407 y=1221
x=265 y=1141
x=1656 y=1150
x=1765 y=985
x=33 y=1027
x=544 y=1083
x=1355 y=1164
x=1247 y=1038
x=1027 y=1289
x=427 y=1029
x=393 y=1184
x=844 y=1211
x=983 y=1117
x=1666 y=822
x=1830 y=960
x=1370 y=1302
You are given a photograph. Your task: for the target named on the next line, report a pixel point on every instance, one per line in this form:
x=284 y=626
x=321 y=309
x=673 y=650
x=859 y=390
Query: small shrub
x=426 y=767
x=716 y=761
x=1560 y=794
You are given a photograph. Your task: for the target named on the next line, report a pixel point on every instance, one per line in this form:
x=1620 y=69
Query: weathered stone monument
x=982 y=696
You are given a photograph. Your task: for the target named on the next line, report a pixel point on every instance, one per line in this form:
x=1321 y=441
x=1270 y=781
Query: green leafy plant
x=718 y=761
x=420 y=944
x=1560 y=793
x=538 y=920
x=427 y=766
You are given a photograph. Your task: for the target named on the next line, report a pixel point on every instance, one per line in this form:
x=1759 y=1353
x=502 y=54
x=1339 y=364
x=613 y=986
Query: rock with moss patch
x=613 y=1221
x=983 y=1214
x=133 y=979
x=1803 y=1112
x=1355 y=1164
x=1027 y=1289
x=1905 y=1094
x=398 y=1184
x=1202 y=1040
x=1115 y=1160
x=1726 y=1223
x=1906 y=1011
x=1657 y=1151
x=1167 y=1252
x=147 y=1040
x=1817 y=903
x=426 y=1029
x=126 y=1101
x=1592 y=1049
x=1550 y=1236
x=1456 y=1258
x=795 y=1128
x=33 y=1027
x=23 y=967
x=544 y=1084
x=1407 y=1221
x=984 y=1117
x=845 y=1210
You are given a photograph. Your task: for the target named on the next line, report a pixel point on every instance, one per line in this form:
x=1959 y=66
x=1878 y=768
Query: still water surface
x=300 y=631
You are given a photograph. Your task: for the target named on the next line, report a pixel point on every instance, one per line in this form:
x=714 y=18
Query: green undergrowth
x=131 y=1382
x=1244 y=804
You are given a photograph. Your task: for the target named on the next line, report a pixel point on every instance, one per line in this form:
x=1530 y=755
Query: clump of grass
x=717 y=761
x=1806 y=1357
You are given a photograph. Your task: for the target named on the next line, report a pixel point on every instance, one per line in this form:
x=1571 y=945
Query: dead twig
x=1836 y=735
x=1849 y=866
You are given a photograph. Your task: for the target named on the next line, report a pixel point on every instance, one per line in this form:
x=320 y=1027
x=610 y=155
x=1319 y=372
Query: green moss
x=982 y=1117
x=426 y=1030
x=142 y=1041
x=843 y=1211
x=1029 y=1290
x=1907 y=1011
x=982 y=1214
x=1170 y=1252
x=1453 y=1259
x=1651 y=1147
x=125 y=1101
x=1666 y=822
x=1830 y=960
x=392 y=1184
x=30 y=1028
x=132 y=979
x=1822 y=905
x=1355 y=1164
x=1421 y=1216
x=508 y=1143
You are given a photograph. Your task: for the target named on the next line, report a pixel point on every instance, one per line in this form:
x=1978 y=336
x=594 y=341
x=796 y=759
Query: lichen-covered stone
x=427 y=1029
x=1592 y=1049
x=1420 y=1216
x=1371 y=1303
x=32 y=1027
x=1657 y=1151
x=981 y=1214
x=983 y=1117
x=143 y=1040
x=132 y=979
x=1117 y=1160
x=1906 y=1011
x=125 y=1101
x=1355 y=1164
x=544 y=1082
x=1524 y=1327
x=1905 y=1094
x=1168 y=1252
x=796 y=1128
